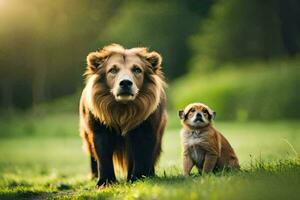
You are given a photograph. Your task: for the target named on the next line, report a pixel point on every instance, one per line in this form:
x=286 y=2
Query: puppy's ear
x=214 y=115
x=96 y=59
x=181 y=114
x=155 y=60
x=211 y=114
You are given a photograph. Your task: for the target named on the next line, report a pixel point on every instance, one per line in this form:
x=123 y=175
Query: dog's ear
x=155 y=60
x=181 y=114
x=96 y=59
x=213 y=115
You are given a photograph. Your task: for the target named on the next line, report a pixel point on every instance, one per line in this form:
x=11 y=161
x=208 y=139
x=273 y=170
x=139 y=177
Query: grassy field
x=44 y=164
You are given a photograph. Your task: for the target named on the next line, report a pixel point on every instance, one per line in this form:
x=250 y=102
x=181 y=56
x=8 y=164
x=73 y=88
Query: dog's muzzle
x=198 y=118
x=125 y=88
x=125 y=91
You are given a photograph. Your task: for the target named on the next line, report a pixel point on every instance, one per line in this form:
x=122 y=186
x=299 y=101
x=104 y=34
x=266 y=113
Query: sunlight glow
x=2 y=2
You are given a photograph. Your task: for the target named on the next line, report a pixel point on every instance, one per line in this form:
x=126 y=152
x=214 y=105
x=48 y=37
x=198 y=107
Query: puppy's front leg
x=210 y=161
x=187 y=164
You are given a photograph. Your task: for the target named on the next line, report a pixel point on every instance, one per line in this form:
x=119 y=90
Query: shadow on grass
x=166 y=180
x=24 y=195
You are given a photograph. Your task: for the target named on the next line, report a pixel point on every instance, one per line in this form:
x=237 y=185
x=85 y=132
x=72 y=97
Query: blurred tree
x=200 y=8
x=43 y=46
x=239 y=29
x=289 y=13
x=163 y=26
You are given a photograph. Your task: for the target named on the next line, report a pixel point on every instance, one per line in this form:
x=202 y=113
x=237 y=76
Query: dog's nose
x=198 y=115
x=125 y=83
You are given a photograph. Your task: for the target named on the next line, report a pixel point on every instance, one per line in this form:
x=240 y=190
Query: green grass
x=50 y=164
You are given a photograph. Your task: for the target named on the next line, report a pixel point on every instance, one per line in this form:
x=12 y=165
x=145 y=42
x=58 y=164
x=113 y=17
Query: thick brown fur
x=203 y=145
x=119 y=124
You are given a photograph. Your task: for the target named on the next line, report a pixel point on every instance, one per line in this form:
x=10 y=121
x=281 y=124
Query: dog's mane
x=120 y=116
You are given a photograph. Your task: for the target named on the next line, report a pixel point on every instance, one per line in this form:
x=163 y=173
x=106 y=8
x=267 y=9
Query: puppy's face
x=196 y=115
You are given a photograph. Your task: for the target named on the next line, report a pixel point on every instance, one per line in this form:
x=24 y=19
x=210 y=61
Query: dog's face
x=124 y=69
x=196 y=115
x=125 y=76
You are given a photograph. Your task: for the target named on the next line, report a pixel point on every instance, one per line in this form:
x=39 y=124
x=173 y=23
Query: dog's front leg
x=141 y=142
x=210 y=161
x=104 y=148
x=187 y=163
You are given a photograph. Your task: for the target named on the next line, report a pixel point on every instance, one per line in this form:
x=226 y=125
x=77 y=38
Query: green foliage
x=162 y=26
x=255 y=91
x=238 y=30
x=44 y=46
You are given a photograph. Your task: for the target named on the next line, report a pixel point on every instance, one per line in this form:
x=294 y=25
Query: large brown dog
x=123 y=111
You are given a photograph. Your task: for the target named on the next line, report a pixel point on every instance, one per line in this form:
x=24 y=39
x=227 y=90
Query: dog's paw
x=102 y=183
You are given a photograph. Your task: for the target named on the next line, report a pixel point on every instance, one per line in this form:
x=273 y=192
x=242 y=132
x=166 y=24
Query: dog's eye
x=136 y=70
x=192 y=110
x=113 y=70
x=204 y=110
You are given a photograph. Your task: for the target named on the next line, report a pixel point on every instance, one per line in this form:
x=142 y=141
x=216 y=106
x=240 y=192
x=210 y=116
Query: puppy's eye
x=113 y=70
x=204 y=110
x=192 y=110
x=136 y=70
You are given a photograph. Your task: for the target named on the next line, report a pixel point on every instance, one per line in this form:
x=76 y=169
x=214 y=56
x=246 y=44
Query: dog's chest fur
x=195 y=143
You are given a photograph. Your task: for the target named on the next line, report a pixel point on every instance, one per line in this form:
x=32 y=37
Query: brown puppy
x=123 y=111
x=203 y=145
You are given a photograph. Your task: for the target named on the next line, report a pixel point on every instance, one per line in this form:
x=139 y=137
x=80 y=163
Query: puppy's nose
x=125 y=83
x=198 y=115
